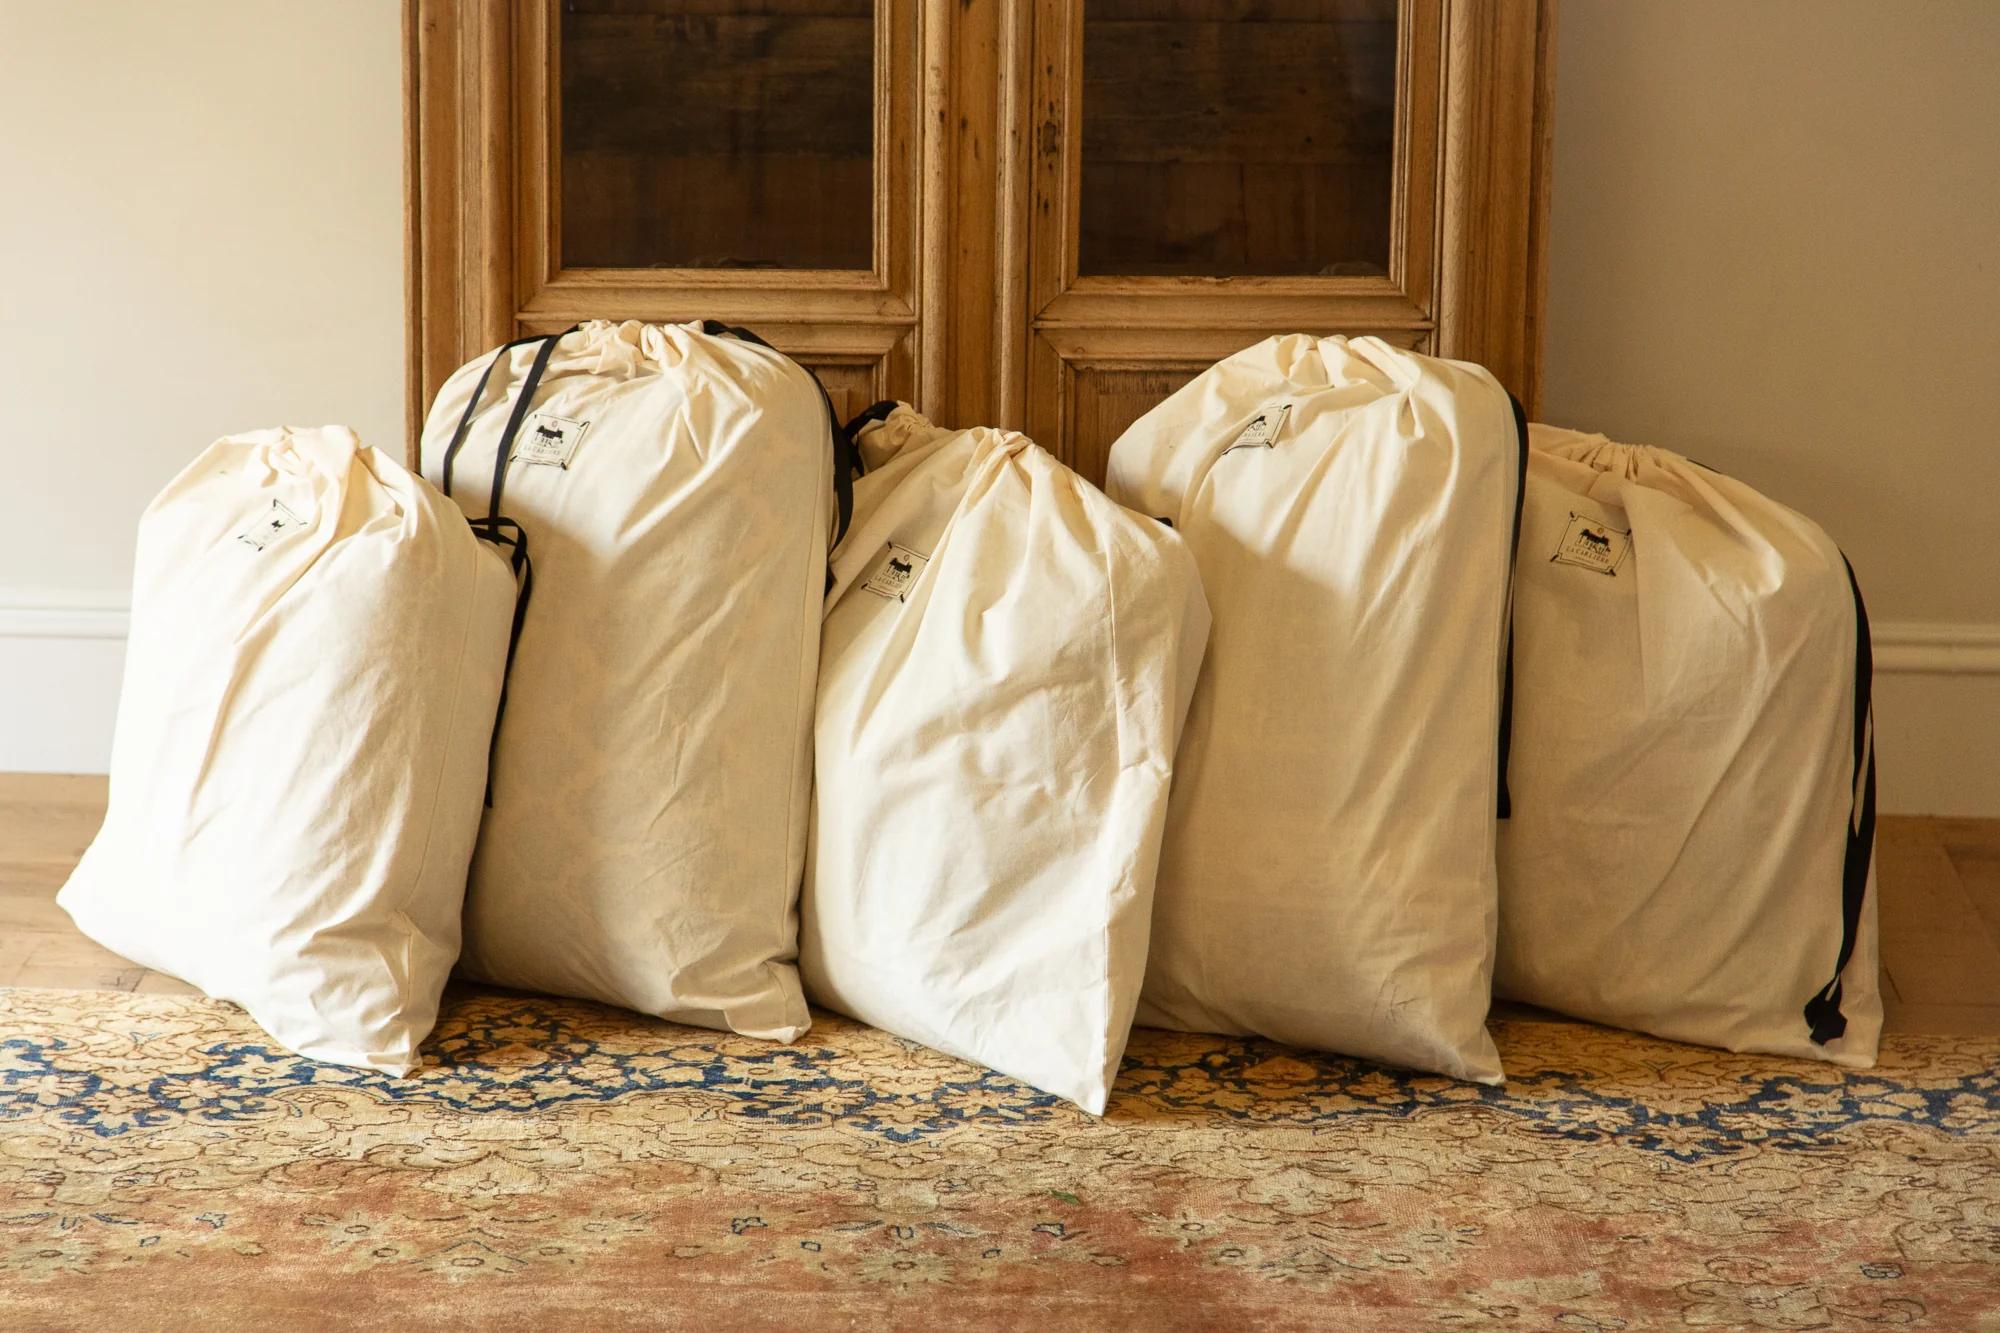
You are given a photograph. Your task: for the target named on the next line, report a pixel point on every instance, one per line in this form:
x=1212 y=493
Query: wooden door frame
x=1468 y=251
x=481 y=254
x=1494 y=185
x=960 y=304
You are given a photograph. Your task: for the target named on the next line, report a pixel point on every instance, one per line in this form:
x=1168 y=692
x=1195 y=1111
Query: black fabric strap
x=846 y=467
x=507 y=533
x=1824 y=1020
x=523 y=399
x=846 y=458
x=874 y=412
x=1504 y=804
x=715 y=328
x=1822 y=1011
x=495 y=528
x=472 y=404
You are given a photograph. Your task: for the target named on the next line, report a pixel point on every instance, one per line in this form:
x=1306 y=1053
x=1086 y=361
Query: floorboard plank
x=1977 y=861
x=1934 y=941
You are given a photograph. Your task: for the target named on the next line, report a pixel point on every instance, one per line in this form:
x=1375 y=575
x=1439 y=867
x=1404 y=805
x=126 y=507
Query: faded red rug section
x=559 y=1165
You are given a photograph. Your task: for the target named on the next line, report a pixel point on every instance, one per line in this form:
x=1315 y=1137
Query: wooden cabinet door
x=1204 y=173
x=1036 y=213
x=752 y=161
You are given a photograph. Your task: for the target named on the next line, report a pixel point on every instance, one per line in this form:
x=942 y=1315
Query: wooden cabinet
x=1043 y=213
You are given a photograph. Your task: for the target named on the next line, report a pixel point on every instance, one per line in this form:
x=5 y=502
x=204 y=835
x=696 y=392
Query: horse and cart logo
x=551 y=442
x=1590 y=543
x=898 y=573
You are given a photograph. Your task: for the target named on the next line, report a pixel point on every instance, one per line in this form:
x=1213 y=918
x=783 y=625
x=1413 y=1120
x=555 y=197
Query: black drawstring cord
x=1822 y=1011
x=506 y=532
x=495 y=527
x=472 y=403
x=1504 y=802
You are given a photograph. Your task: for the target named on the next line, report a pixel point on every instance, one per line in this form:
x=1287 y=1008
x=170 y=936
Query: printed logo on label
x=1591 y=544
x=898 y=573
x=548 y=440
x=276 y=521
x=1264 y=428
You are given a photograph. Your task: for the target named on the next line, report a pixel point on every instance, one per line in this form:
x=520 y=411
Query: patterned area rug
x=564 y=1165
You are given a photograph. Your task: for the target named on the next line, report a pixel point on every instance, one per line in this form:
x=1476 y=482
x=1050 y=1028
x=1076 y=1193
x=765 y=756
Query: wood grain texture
x=1084 y=324
x=1488 y=187
x=414 y=398
x=972 y=305
x=1939 y=879
x=1013 y=304
x=968 y=250
x=1538 y=208
x=1236 y=147
x=488 y=183
x=433 y=323
x=1104 y=400
x=1938 y=944
x=740 y=139
x=46 y=822
x=491 y=131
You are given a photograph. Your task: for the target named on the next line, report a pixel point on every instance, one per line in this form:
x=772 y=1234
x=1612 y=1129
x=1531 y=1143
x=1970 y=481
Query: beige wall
x=1775 y=246
x=202 y=234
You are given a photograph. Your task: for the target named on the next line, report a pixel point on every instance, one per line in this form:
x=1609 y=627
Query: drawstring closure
x=496 y=528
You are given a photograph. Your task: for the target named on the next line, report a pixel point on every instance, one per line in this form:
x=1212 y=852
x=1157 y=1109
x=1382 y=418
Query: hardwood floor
x=45 y=823
x=1939 y=883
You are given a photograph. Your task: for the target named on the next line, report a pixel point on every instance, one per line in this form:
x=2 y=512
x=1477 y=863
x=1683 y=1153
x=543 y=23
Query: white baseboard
x=1937 y=699
x=61 y=655
x=1937 y=718
x=1916 y=648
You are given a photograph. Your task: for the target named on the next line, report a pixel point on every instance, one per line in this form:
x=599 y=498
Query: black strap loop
x=1822 y=1011
x=1504 y=803
x=495 y=528
x=715 y=328
x=872 y=413
x=507 y=533
x=523 y=399
x=472 y=403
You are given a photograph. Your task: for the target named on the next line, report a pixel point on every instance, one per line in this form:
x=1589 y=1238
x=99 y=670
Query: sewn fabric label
x=1591 y=544
x=272 y=524
x=548 y=440
x=1264 y=428
x=897 y=573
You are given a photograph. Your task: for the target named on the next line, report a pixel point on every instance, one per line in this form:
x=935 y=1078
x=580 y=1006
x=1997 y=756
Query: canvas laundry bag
x=647 y=831
x=315 y=654
x=1006 y=663
x=1691 y=851
x=1327 y=876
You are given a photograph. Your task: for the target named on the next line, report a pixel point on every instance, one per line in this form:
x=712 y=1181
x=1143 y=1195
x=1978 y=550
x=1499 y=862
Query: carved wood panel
x=1251 y=167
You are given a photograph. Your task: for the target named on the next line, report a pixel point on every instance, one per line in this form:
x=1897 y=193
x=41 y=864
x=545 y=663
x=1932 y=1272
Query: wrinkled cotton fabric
x=316 y=650
x=1327 y=877
x=1007 y=661
x=1684 y=776
x=647 y=834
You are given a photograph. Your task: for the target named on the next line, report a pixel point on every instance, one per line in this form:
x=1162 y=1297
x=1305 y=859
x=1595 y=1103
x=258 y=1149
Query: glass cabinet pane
x=717 y=133
x=1235 y=137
